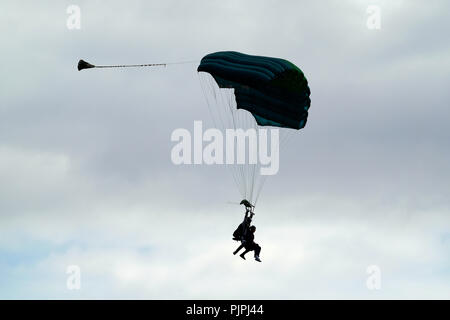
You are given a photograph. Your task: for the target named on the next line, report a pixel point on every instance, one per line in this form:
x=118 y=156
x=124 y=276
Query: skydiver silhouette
x=245 y=234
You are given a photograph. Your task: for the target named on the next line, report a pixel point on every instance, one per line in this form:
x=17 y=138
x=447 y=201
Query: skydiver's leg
x=257 y=250
x=242 y=255
x=238 y=249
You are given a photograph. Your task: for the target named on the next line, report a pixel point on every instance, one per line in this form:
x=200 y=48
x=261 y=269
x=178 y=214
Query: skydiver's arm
x=248 y=219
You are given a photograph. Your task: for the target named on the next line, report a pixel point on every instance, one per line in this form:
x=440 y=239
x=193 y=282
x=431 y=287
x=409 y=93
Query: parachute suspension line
x=240 y=167
x=263 y=178
x=247 y=123
x=261 y=184
x=248 y=167
x=285 y=136
x=207 y=100
x=222 y=105
x=228 y=112
x=232 y=124
x=230 y=109
x=203 y=81
x=217 y=98
x=225 y=121
x=254 y=166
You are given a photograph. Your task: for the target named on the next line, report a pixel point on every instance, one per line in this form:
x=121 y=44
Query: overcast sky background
x=86 y=177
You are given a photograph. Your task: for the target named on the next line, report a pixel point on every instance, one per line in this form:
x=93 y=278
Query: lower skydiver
x=249 y=244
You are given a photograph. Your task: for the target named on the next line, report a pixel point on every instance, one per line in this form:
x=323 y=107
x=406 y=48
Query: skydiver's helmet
x=253 y=229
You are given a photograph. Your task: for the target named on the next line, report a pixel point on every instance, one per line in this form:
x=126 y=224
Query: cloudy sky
x=86 y=177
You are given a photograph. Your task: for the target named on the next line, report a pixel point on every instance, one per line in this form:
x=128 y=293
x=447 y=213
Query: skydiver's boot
x=257 y=252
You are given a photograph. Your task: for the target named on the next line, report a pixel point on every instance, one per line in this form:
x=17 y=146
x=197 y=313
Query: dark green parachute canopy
x=274 y=90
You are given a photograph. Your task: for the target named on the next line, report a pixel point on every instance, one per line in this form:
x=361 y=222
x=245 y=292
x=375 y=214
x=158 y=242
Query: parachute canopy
x=273 y=90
